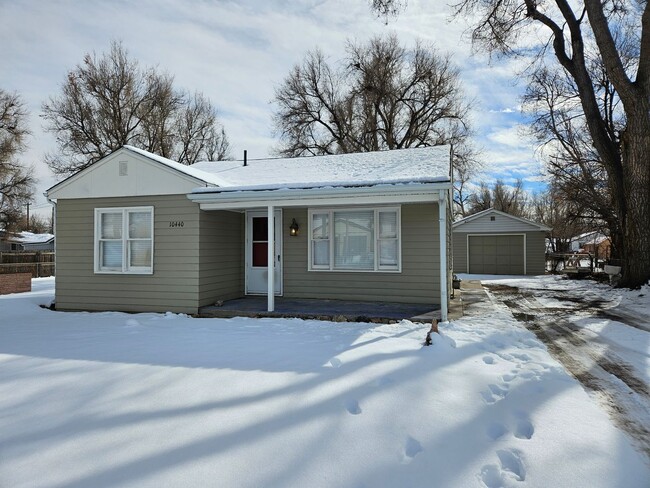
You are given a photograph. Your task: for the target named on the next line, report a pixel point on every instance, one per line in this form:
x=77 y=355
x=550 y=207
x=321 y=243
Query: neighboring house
x=138 y=232
x=26 y=241
x=35 y=242
x=494 y=242
x=590 y=241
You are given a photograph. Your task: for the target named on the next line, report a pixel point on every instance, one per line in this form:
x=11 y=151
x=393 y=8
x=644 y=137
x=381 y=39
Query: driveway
x=591 y=332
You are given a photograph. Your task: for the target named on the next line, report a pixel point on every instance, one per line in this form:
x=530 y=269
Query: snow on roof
x=30 y=238
x=591 y=236
x=401 y=166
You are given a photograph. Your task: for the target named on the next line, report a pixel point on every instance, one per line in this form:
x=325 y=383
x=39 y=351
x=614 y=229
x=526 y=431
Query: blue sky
x=236 y=52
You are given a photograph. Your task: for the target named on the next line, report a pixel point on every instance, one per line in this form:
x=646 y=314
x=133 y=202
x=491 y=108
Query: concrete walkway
x=473 y=297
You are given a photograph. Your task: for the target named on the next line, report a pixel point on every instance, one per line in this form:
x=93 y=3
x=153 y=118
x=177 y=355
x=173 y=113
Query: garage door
x=496 y=255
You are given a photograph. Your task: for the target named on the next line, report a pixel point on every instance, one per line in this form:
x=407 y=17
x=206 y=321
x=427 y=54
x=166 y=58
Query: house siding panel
x=221 y=275
x=174 y=284
x=535 y=253
x=418 y=282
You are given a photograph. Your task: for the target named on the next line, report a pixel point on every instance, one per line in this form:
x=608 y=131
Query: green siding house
x=137 y=232
x=494 y=242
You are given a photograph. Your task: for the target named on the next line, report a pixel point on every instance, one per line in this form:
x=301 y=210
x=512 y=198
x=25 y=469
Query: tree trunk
x=635 y=142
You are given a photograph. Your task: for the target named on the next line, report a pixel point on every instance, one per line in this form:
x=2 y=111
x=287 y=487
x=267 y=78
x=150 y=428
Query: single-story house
x=139 y=232
x=494 y=242
x=26 y=241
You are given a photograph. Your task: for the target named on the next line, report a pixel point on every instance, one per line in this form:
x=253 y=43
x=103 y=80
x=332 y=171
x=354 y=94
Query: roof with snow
x=400 y=166
x=30 y=238
x=405 y=167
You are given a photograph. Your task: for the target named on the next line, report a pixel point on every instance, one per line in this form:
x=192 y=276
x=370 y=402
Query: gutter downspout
x=442 y=219
x=53 y=203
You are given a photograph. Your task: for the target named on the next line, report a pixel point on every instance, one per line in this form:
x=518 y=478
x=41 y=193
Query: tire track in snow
x=607 y=376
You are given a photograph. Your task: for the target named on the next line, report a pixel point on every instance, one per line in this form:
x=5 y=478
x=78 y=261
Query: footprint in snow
x=488 y=359
x=511 y=468
x=412 y=448
x=511 y=463
x=491 y=476
x=508 y=377
x=335 y=362
x=521 y=357
x=524 y=430
x=496 y=430
x=494 y=393
x=352 y=406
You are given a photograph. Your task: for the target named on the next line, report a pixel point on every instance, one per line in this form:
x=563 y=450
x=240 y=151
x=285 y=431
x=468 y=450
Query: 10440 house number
x=177 y=223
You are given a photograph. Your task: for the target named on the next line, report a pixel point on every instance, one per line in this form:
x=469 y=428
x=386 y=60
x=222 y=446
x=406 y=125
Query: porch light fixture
x=293 y=228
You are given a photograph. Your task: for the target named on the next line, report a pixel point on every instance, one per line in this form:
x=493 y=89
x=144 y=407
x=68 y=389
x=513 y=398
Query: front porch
x=319 y=309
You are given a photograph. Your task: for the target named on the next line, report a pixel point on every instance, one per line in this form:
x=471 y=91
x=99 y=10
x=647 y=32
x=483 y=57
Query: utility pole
x=27 y=226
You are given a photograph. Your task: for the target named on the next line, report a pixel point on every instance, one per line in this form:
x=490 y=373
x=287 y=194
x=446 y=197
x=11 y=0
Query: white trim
x=498 y=234
x=270 y=263
x=444 y=284
x=372 y=195
x=377 y=267
x=140 y=270
x=248 y=240
x=502 y=214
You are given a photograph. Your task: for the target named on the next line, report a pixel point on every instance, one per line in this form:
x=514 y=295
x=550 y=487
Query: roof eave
x=303 y=197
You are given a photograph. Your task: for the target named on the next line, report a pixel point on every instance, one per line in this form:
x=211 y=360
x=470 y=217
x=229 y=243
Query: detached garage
x=493 y=242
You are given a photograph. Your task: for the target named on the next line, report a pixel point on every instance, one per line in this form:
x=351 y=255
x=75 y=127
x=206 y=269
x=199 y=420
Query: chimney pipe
x=245 y=157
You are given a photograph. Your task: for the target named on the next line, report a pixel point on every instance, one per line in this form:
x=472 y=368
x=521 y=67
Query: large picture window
x=124 y=240
x=354 y=239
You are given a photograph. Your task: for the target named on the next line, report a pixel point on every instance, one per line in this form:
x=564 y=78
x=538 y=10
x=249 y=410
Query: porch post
x=442 y=218
x=271 y=260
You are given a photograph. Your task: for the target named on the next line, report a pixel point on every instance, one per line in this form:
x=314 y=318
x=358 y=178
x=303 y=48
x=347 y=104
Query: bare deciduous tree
x=512 y=200
x=109 y=101
x=578 y=175
x=383 y=96
x=572 y=27
x=15 y=179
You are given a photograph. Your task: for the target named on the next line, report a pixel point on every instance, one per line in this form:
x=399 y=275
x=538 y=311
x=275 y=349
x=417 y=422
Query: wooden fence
x=38 y=263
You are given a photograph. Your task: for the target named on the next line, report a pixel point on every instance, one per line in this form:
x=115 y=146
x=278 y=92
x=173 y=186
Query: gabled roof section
x=415 y=166
x=400 y=166
x=204 y=176
x=130 y=171
x=458 y=225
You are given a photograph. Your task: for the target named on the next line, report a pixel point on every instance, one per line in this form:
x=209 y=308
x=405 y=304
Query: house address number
x=177 y=223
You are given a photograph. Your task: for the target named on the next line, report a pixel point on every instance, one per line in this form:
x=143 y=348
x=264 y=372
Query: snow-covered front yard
x=152 y=400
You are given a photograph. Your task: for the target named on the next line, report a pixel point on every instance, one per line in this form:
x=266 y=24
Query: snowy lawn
x=152 y=400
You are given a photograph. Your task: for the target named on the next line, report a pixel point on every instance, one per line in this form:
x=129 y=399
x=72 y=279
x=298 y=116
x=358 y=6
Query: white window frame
x=125 y=268
x=377 y=267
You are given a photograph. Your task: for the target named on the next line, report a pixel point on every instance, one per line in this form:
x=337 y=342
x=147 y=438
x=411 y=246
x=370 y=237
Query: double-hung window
x=354 y=239
x=124 y=240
